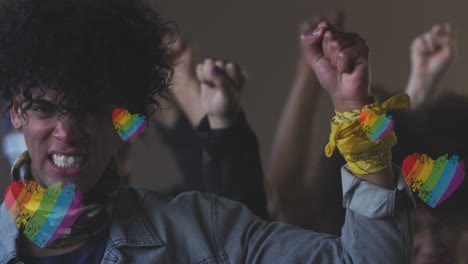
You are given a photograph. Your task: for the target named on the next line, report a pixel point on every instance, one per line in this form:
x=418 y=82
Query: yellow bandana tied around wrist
x=362 y=155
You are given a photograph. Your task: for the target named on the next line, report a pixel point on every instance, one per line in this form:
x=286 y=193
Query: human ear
x=15 y=112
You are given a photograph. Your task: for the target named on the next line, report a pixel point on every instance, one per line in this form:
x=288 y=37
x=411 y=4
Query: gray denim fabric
x=204 y=228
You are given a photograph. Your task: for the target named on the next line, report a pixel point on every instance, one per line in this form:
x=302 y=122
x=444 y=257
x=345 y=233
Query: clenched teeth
x=63 y=161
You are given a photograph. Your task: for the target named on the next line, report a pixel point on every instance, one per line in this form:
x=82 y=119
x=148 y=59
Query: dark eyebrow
x=41 y=101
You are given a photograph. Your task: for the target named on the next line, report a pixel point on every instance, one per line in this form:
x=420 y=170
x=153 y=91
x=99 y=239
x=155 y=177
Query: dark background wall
x=263 y=37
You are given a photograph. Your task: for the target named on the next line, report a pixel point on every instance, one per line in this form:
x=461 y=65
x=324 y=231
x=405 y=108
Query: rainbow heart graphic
x=376 y=126
x=127 y=125
x=433 y=181
x=44 y=214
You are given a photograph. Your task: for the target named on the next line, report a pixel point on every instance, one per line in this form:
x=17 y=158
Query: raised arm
x=294 y=144
x=214 y=146
x=431 y=55
x=231 y=158
x=378 y=227
x=176 y=123
x=341 y=62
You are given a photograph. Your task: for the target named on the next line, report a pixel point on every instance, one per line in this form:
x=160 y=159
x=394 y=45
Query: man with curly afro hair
x=66 y=65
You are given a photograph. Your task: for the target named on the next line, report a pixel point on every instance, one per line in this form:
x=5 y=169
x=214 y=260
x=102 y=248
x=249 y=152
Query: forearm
x=290 y=152
x=231 y=164
x=187 y=95
x=419 y=88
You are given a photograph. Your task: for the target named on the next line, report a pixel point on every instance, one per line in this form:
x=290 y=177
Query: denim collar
x=130 y=227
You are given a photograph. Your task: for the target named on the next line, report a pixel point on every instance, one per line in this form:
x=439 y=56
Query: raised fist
x=341 y=62
x=221 y=84
x=431 y=55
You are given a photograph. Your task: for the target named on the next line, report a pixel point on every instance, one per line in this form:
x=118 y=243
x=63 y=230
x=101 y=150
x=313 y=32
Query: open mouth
x=66 y=162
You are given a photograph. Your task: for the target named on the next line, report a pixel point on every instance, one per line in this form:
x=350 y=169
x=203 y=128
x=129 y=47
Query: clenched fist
x=221 y=84
x=431 y=56
x=341 y=62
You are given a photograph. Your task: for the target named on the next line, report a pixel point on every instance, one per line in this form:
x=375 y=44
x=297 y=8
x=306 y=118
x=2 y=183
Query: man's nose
x=68 y=129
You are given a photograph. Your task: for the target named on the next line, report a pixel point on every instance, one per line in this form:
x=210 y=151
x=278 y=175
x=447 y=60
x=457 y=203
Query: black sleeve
x=185 y=146
x=231 y=164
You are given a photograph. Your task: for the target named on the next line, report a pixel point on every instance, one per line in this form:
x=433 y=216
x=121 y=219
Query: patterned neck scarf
x=91 y=220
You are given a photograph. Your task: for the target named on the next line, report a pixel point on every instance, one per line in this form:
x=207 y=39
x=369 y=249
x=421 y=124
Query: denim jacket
x=203 y=228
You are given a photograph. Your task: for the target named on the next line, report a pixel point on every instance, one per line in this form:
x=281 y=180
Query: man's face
x=61 y=149
x=437 y=236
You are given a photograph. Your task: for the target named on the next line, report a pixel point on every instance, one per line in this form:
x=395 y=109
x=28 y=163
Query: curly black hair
x=93 y=52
